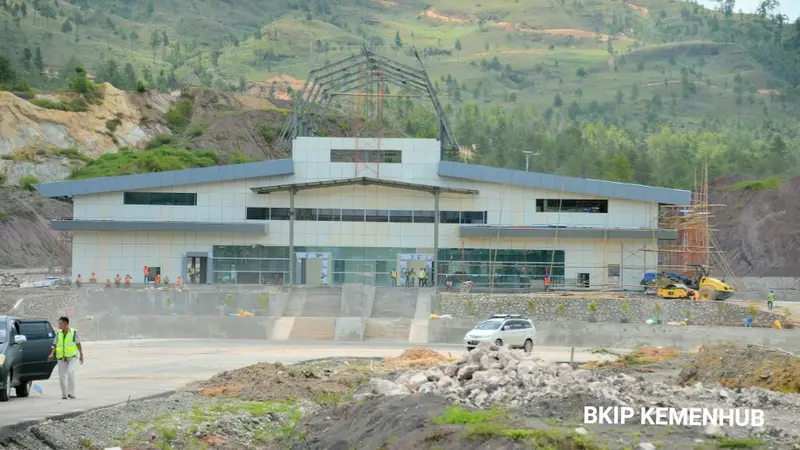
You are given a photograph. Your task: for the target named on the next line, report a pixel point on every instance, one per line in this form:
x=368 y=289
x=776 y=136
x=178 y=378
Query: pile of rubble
x=491 y=374
x=9 y=280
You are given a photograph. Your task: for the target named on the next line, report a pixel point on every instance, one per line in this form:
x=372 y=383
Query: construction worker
x=93 y=279
x=68 y=352
x=422 y=280
x=770 y=299
x=166 y=279
x=179 y=280
x=158 y=279
x=394 y=277
x=146 y=274
x=117 y=281
x=192 y=274
x=546 y=282
x=127 y=280
x=108 y=283
x=79 y=281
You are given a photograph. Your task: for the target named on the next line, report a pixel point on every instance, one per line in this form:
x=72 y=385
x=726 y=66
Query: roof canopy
x=362 y=181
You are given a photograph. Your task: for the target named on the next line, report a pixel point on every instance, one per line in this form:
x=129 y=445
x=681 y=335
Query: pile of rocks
x=9 y=280
x=491 y=374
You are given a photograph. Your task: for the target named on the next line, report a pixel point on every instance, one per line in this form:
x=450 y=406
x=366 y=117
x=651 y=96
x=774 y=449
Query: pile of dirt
x=26 y=239
x=415 y=358
x=274 y=381
x=638 y=357
x=756 y=228
x=744 y=366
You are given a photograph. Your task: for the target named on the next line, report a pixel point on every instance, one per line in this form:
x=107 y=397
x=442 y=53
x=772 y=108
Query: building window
x=160 y=198
x=367 y=156
x=401 y=216
x=613 y=270
x=329 y=215
x=572 y=206
x=424 y=217
x=377 y=215
x=449 y=217
x=305 y=214
x=352 y=215
x=279 y=214
x=583 y=280
x=257 y=213
x=473 y=217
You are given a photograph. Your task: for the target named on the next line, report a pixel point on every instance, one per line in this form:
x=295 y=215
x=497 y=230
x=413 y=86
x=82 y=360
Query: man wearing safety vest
x=68 y=352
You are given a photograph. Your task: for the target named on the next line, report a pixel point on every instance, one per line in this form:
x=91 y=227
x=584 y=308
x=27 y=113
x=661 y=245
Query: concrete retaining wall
x=608 y=335
x=554 y=307
x=350 y=329
x=357 y=300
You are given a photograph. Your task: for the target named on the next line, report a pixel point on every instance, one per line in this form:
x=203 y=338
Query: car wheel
x=528 y=346
x=469 y=349
x=6 y=392
x=498 y=342
x=24 y=389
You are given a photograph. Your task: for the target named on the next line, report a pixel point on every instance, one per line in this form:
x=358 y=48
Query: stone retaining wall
x=576 y=309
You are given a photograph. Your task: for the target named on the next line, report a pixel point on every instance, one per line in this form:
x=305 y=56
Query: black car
x=25 y=345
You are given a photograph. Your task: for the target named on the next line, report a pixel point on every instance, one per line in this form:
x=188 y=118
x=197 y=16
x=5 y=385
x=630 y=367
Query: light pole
x=528 y=155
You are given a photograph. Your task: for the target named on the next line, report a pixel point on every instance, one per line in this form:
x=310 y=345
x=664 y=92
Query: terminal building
x=347 y=210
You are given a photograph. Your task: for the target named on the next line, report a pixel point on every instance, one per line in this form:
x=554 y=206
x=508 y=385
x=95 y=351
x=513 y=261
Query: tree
x=581 y=73
x=457 y=45
x=557 y=102
x=579 y=93
x=620 y=97
x=27 y=57
x=38 y=61
x=130 y=76
x=24 y=10
x=66 y=28
x=109 y=27
x=155 y=41
x=150 y=9
x=134 y=38
x=398 y=43
x=620 y=169
x=165 y=43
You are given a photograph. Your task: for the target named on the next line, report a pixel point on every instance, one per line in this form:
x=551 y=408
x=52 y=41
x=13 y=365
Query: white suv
x=503 y=329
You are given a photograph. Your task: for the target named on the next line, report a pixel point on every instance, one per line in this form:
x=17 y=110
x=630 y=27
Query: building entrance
x=415 y=262
x=312 y=269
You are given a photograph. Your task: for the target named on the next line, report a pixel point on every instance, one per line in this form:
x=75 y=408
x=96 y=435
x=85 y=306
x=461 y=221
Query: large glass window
x=500 y=268
x=305 y=214
x=401 y=216
x=329 y=215
x=159 y=198
x=449 y=216
x=257 y=213
x=279 y=214
x=369 y=215
x=424 y=217
x=572 y=206
x=352 y=215
x=377 y=215
x=473 y=217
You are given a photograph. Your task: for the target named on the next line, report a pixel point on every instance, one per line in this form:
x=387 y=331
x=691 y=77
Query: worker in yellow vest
x=68 y=352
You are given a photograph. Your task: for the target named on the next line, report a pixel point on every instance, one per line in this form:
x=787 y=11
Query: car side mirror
x=503 y=328
x=20 y=339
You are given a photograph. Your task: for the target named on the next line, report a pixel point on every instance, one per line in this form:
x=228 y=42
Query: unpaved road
x=116 y=371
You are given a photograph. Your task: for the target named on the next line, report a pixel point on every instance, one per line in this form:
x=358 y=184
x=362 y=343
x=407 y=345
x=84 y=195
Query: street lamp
x=528 y=155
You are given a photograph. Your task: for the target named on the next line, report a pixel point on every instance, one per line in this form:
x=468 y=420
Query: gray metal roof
x=362 y=181
x=162 y=179
x=598 y=188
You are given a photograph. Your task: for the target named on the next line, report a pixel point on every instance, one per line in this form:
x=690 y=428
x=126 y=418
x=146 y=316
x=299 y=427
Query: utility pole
x=528 y=155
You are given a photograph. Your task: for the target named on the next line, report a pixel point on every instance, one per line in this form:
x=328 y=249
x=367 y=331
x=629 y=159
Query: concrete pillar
x=291 y=236
x=435 y=274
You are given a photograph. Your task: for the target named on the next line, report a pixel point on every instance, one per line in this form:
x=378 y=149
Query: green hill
x=639 y=67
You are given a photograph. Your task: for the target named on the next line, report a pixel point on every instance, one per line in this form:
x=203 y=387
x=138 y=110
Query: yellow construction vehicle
x=701 y=287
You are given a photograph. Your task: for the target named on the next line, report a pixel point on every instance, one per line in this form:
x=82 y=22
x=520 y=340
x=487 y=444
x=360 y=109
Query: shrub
x=74 y=105
x=592 y=307
x=27 y=182
x=238 y=157
x=269 y=133
x=163 y=140
x=197 y=129
x=179 y=116
x=128 y=162
x=768 y=183
x=141 y=87
x=3 y=179
x=71 y=153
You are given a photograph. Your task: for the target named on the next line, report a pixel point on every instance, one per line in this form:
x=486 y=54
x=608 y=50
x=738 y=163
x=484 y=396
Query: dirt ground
x=756 y=229
x=26 y=239
x=744 y=366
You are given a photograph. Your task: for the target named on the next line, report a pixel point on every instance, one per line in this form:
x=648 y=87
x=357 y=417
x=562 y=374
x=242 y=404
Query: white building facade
x=343 y=210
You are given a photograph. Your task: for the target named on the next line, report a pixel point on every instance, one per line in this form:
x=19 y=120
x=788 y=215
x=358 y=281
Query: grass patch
x=197 y=129
x=28 y=182
x=456 y=415
x=111 y=125
x=74 y=105
x=549 y=439
x=768 y=183
x=129 y=162
x=725 y=442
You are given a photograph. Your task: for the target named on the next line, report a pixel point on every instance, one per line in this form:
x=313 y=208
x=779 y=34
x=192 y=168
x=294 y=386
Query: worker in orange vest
x=158 y=279
x=117 y=281
x=79 y=281
x=108 y=282
x=146 y=274
x=93 y=278
x=546 y=283
x=179 y=280
x=127 y=280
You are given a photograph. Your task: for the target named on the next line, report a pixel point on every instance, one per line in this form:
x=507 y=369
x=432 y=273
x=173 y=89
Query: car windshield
x=489 y=325
x=2 y=332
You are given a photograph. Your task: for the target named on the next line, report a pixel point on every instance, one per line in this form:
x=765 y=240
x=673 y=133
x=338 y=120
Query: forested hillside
x=626 y=91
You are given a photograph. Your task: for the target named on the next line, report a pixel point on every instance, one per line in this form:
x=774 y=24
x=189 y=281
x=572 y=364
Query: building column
x=291 y=236
x=435 y=274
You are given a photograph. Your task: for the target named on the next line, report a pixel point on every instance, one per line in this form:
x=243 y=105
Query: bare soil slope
x=757 y=230
x=26 y=239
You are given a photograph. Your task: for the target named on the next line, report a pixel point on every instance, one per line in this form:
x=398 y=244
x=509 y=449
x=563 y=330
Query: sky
x=789 y=8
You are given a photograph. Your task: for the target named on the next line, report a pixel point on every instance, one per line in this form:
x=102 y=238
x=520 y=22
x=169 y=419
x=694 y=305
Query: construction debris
x=640 y=356
x=9 y=280
x=498 y=375
x=415 y=358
